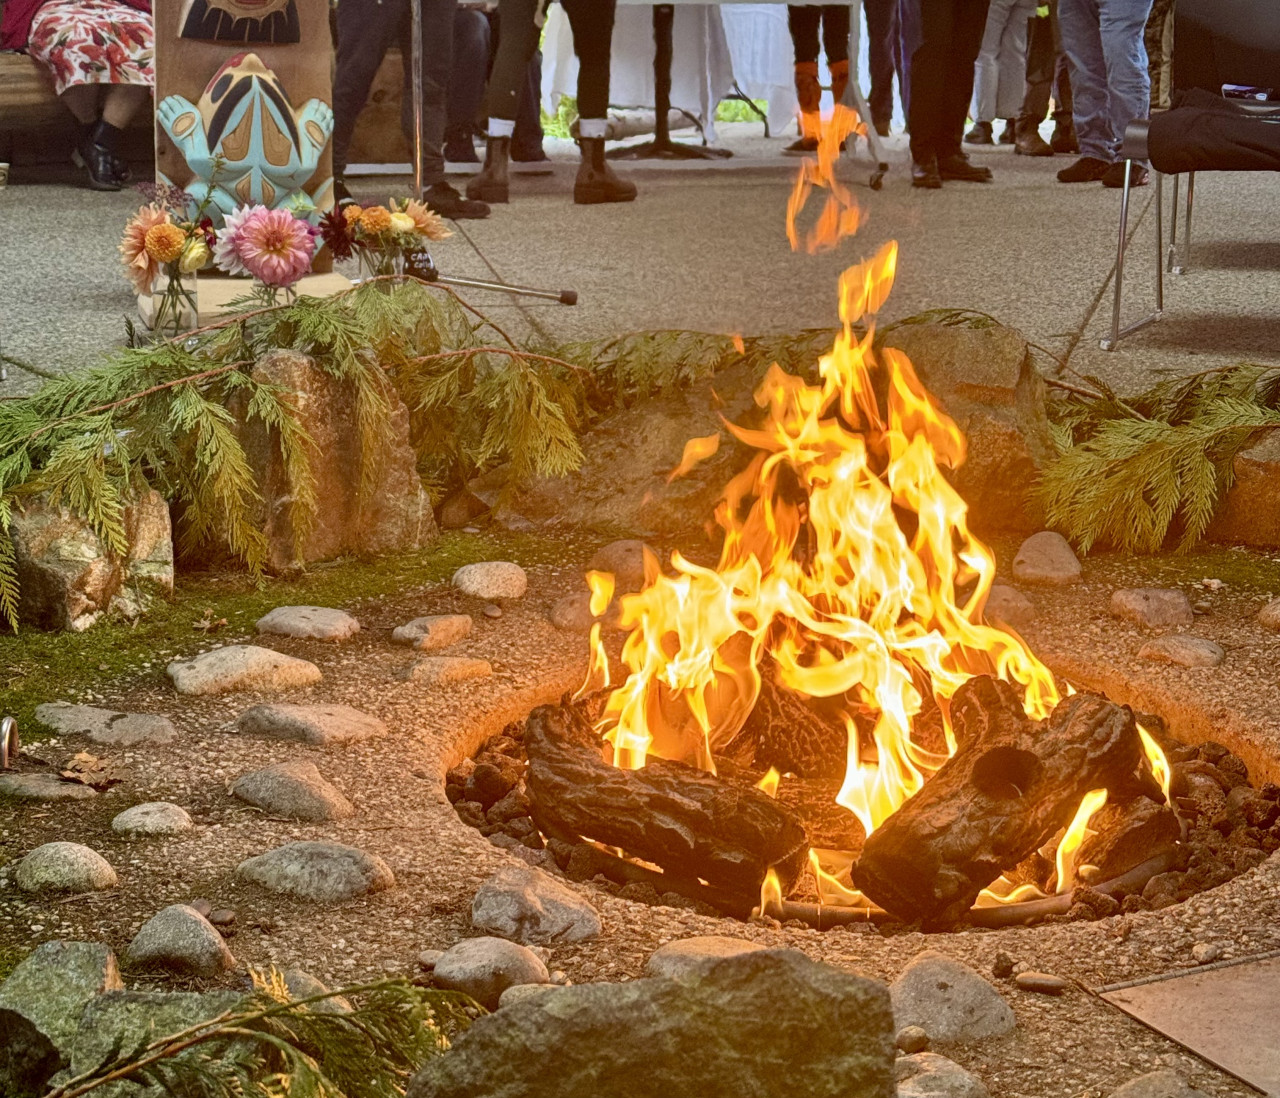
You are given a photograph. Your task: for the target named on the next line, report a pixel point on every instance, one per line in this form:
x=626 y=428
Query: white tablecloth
x=712 y=46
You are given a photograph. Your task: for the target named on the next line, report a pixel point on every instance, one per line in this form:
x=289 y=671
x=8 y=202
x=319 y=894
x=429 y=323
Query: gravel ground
x=1064 y=1047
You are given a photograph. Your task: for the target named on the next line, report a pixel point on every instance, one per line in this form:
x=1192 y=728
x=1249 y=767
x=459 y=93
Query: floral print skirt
x=93 y=42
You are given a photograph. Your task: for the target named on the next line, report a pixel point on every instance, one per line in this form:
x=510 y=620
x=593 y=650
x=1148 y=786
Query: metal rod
x=1159 y=244
x=1185 y=263
x=565 y=297
x=9 y=744
x=415 y=9
x=1109 y=344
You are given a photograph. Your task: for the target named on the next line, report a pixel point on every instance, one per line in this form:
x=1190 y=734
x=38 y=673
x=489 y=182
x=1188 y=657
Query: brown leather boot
x=491 y=184
x=839 y=79
x=809 y=93
x=597 y=181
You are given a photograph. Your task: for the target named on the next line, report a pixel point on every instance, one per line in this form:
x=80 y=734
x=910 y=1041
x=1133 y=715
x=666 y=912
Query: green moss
x=10 y=958
x=37 y=667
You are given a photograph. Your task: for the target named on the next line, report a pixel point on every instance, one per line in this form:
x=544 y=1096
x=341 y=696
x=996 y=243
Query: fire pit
x=823 y=725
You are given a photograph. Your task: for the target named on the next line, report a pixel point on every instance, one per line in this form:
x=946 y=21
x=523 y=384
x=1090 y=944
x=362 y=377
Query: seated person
x=101 y=57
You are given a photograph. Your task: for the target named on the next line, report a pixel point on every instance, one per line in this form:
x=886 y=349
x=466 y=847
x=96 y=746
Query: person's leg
x=592 y=23
x=1039 y=75
x=1091 y=112
x=526 y=142
x=881 y=31
x=925 y=31
x=1153 y=38
x=365 y=28
x=466 y=85
x=1121 y=24
x=520 y=23
x=804 y=21
x=82 y=101
x=835 y=41
x=968 y=25
x=122 y=102
x=987 y=71
x=437 y=72
x=1012 y=66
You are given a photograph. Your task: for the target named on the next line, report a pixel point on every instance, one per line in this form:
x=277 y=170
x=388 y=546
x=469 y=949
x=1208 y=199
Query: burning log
x=692 y=824
x=1012 y=784
x=790 y=732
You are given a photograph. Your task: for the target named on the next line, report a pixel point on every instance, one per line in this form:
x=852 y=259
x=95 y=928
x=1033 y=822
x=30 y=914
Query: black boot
x=492 y=185
x=597 y=182
x=96 y=155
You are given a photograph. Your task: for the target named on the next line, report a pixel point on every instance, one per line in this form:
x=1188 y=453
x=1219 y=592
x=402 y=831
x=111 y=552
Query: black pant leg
x=1040 y=68
x=437 y=72
x=969 y=22
x=528 y=136
x=927 y=27
x=835 y=32
x=517 y=42
x=882 y=30
x=803 y=20
x=470 y=64
x=365 y=29
x=592 y=23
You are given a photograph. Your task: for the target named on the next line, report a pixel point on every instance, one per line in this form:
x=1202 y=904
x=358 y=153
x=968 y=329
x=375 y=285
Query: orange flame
x=1076 y=834
x=695 y=450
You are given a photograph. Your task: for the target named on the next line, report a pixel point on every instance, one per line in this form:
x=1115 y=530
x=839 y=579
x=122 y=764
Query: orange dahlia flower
x=139 y=267
x=352 y=213
x=164 y=242
x=428 y=223
x=375 y=219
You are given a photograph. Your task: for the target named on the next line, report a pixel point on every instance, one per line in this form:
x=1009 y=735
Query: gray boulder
x=1153 y=607
x=43 y=787
x=302 y=985
x=241 y=667
x=152 y=818
x=527 y=905
x=309 y=622
x=40 y=1006
x=485 y=967
x=1008 y=606
x=320 y=725
x=625 y=561
x=749 y=1026
x=1046 y=558
x=949 y=1001
x=65 y=867
x=691 y=957
x=433 y=632
x=295 y=789
x=180 y=939
x=928 y=1075
x=1184 y=651
x=1158 y=1084
x=443 y=670
x=106 y=726
x=1269 y=616
x=318 y=871
x=519 y=992
x=491 y=579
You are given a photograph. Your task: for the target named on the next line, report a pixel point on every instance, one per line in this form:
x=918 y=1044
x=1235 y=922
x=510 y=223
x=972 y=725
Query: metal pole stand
x=662 y=147
x=854 y=99
x=429 y=272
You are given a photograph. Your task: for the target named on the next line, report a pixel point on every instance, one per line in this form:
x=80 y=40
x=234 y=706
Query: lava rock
x=1002 y=966
x=309 y=622
x=151 y=818
x=1041 y=982
x=65 y=867
x=1046 y=558
x=1008 y=606
x=911 y=1039
x=1163 y=890
x=485 y=967
x=1177 y=648
x=928 y=1075
x=180 y=939
x=40 y=1007
x=527 y=905
x=241 y=667
x=491 y=782
x=442 y=670
x=318 y=871
x=43 y=787
x=1154 y=607
x=319 y=725
x=1158 y=1084
x=434 y=632
x=688 y=958
x=949 y=1000
x=106 y=726
x=295 y=789
x=726 y=1033
x=625 y=560
x=512 y=806
x=494 y=579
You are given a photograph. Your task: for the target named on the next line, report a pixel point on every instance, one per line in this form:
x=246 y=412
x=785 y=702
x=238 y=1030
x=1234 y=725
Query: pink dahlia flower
x=226 y=248
x=276 y=247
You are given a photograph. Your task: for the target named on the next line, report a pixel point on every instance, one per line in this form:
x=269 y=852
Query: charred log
x=1012 y=784
x=1127 y=835
x=691 y=823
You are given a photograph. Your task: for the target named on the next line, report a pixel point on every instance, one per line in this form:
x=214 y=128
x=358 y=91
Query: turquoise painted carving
x=263 y=148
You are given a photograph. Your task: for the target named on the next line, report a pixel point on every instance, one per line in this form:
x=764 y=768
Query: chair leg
x=1180 y=257
x=1173 y=229
x=1112 y=340
x=1159 y=243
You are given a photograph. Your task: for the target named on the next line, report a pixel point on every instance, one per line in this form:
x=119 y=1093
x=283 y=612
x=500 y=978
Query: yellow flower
x=427 y=221
x=375 y=219
x=195 y=255
x=165 y=242
x=403 y=223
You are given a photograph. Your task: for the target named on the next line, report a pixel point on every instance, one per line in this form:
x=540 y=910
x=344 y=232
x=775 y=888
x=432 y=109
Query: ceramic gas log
x=1011 y=786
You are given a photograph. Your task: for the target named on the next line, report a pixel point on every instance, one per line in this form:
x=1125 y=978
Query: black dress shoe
x=447 y=202
x=980 y=134
x=1088 y=169
x=1114 y=175
x=341 y=196
x=100 y=165
x=1063 y=139
x=957 y=166
x=925 y=174
x=881 y=126
x=1010 y=132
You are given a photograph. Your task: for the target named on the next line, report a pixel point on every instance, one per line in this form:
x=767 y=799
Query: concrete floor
x=704 y=247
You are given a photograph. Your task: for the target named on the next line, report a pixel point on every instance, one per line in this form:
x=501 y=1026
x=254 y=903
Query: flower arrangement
x=275 y=247
x=163 y=243
x=381 y=236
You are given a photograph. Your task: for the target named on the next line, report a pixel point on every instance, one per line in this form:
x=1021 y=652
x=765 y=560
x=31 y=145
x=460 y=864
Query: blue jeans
x=1110 y=86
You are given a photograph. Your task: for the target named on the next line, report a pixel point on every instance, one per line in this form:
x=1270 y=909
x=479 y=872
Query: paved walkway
x=704 y=247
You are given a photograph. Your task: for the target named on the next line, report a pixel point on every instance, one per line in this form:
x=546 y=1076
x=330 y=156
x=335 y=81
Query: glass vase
x=387 y=264
x=171 y=307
